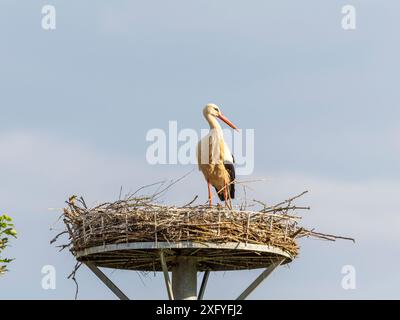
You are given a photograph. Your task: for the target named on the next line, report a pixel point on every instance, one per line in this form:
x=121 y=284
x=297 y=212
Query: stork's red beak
x=228 y=122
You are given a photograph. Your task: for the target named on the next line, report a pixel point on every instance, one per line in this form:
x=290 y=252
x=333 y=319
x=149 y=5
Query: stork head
x=212 y=110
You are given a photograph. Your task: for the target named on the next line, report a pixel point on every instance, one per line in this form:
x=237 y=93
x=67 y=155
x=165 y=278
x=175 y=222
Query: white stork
x=215 y=160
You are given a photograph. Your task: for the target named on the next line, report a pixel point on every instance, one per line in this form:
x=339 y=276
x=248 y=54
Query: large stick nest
x=139 y=219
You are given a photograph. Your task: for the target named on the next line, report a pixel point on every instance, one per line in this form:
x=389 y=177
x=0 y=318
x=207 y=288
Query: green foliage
x=6 y=232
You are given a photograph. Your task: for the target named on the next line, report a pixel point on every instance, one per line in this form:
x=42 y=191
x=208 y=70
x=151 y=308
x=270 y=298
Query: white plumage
x=214 y=157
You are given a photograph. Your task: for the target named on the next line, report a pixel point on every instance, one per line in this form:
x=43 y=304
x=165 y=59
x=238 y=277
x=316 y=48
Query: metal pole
x=260 y=279
x=203 y=285
x=184 y=278
x=106 y=281
x=166 y=276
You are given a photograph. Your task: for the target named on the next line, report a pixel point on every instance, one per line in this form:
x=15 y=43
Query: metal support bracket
x=260 y=279
x=167 y=279
x=106 y=281
x=203 y=285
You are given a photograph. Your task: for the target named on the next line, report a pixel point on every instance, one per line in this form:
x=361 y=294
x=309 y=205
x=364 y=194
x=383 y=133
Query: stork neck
x=214 y=124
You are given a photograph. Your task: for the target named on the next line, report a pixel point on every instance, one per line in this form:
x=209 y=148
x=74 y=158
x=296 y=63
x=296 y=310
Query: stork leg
x=227 y=200
x=209 y=194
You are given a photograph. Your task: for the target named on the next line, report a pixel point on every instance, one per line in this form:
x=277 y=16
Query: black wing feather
x=231 y=170
x=230 y=167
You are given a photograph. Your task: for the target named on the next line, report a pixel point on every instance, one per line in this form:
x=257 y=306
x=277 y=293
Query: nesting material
x=140 y=220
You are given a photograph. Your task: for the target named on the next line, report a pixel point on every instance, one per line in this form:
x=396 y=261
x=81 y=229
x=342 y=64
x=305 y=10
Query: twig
x=191 y=202
x=72 y=276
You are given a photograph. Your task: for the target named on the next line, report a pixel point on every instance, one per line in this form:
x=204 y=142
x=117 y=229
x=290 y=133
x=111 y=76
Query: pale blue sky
x=76 y=104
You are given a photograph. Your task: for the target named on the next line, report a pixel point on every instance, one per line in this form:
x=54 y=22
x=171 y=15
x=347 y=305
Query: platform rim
x=183 y=245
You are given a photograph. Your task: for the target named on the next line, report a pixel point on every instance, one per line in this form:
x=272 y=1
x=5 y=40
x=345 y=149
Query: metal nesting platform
x=145 y=256
x=184 y=260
